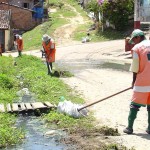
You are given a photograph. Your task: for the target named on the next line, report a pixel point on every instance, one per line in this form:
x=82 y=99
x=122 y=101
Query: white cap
x=46 y=37
x=17 y=35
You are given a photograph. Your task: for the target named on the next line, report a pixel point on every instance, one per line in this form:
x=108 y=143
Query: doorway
x=2 y=39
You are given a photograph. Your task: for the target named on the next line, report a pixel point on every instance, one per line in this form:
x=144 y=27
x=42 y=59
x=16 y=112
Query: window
x=26 y=5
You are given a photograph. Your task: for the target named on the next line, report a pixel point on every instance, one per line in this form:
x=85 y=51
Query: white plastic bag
x=71 y=109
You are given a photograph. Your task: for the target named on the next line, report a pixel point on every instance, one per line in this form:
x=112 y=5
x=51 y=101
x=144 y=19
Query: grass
x=97 y=36
x=33 y=38
x=34 y=77
x=32 y=72
x=70 y=124
x=9 y=86
x=9 y=135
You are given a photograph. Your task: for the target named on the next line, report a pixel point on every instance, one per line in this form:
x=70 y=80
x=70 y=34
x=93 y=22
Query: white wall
x=7 y=40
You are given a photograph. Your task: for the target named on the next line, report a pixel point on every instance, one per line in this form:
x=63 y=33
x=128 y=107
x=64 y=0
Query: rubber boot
x=48 y=67
x=131 y=118
x=148 y=129
x=19 y=54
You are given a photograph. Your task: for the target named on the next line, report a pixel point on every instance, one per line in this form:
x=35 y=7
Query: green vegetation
x=33 y=38
x=9 y=135
x=9 y=86
x=33 y=76
x=63 y=13
x=32 y=72
x=109 y=131
x=8 y=83
x=81 y=125
x=72 y=125
x=115 y=11
x=98 y=35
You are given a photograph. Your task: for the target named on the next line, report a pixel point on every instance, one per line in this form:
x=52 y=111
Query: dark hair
x=141 y=36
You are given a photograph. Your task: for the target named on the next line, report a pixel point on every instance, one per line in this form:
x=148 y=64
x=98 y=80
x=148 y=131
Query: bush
x=118 y=12
x=5 y=81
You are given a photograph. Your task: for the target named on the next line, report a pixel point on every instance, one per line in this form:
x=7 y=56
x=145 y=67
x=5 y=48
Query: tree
x=116 y=11
x=94 y=7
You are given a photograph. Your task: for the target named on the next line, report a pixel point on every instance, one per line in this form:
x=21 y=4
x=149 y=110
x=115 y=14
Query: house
x=21 y=17
x=141 y=13
x=24 y=15
x=35 y=5
x=5 y=29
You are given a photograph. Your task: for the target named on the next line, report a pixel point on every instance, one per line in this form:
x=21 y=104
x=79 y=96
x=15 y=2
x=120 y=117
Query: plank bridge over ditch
x=26 y=107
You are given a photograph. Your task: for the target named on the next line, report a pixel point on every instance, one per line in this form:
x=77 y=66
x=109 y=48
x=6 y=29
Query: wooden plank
x=15 y=107
x=48 y=104
x=38 y=105
x=8 y=107
x=28 y=106
x=22 y=106
x=2 y=108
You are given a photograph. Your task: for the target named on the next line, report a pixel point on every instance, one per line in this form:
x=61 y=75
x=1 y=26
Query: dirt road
x=101 y=69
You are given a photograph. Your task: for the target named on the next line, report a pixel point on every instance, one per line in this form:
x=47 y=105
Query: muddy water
x=35 y=136
x=101 y=64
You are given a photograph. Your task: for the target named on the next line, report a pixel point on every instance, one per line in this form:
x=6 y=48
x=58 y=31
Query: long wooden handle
x=104 y=98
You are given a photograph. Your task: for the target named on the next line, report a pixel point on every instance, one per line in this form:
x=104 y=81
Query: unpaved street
x=101 y=69
x=95 y=82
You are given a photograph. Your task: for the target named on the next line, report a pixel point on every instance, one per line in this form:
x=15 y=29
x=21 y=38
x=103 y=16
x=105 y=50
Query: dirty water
x=36 y=137
x=101 y=64
x=38 y=134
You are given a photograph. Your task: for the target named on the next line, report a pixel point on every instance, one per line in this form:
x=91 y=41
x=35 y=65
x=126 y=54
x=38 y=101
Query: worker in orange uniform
x=141 y=78
x=19 y=44
x=49 y=49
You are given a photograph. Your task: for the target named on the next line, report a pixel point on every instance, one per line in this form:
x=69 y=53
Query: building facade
x=23 y=15
x=5 y=29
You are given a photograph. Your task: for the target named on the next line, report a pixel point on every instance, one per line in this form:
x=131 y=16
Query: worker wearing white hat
x=49 y=48
x=19 y=44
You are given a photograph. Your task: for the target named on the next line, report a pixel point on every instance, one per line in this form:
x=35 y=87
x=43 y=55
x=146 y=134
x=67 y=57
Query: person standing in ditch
x=19 y=44
x=141 y=78
x=49 y=49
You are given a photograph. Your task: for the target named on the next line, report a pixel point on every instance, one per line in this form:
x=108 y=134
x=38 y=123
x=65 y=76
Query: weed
x=9 y=135
x=109 y=131
x=69 y=123
x=5 y=81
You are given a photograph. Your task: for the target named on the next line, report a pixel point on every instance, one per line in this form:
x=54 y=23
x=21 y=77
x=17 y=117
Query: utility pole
x=137 y=24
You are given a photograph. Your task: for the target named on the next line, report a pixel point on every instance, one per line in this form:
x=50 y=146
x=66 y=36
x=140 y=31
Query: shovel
x=79 y=109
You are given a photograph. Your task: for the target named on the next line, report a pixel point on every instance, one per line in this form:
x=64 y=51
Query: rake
x=81 y=108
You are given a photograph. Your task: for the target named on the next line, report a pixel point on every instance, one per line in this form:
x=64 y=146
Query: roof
x=4 y=19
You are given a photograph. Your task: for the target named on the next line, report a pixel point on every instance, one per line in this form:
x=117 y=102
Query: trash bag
x=71 y=109
x=22 y=92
